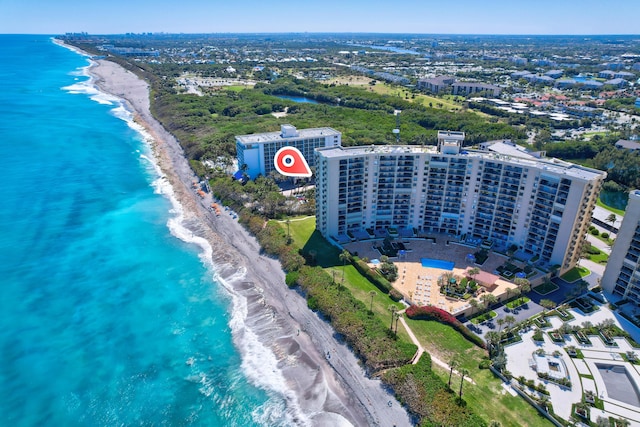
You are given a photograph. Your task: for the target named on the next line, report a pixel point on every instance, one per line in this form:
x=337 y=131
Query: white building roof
x=552 y=165
x=261 y=138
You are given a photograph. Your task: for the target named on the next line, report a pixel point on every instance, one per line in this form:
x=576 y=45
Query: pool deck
x=419 y=284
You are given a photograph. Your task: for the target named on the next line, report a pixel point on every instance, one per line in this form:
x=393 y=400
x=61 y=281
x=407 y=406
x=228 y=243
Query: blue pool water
x=437 y=263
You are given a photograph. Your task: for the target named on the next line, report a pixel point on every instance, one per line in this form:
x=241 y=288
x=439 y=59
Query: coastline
x=323 y=391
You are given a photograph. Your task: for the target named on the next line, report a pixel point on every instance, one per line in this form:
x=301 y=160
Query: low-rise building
x=624 y=144
x=469 y=88
x=436 y=84
x=617 y=82
x=255 y=152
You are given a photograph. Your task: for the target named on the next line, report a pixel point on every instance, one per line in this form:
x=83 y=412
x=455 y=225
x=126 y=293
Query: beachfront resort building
x=255 y=152
x=542 y=206
x=622 y=275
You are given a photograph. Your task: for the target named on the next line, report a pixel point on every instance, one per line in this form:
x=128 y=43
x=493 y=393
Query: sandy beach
x=327 y=386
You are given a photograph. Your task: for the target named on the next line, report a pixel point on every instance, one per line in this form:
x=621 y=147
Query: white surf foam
x=259 y=363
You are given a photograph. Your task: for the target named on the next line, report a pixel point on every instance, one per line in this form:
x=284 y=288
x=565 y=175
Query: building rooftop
x=552 y=165
x=629 y=145
x=278 y=136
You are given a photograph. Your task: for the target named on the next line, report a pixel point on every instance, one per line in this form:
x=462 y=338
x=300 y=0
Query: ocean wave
x=87 y=87
x=259 y=363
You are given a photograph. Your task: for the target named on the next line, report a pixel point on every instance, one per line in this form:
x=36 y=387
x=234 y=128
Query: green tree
x=393 y=309
x=510 y=320
x=372 y=294
x=453 y=363
x=463 y=373
x=344 y=257
x=612 y=219
x=474 y=305
x=547 y=304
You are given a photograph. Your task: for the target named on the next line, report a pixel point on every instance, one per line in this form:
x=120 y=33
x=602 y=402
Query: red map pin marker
x=289 y=161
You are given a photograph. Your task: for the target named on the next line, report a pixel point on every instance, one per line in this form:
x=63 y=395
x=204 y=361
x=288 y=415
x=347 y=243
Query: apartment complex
x=255 y=152
x=542 y=206
x=622 y=275
x=469 y=88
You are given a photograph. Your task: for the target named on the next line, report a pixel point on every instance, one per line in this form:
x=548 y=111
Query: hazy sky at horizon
x=408 y=16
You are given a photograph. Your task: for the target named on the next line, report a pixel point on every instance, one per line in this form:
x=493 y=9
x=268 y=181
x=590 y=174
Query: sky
x=284 y=16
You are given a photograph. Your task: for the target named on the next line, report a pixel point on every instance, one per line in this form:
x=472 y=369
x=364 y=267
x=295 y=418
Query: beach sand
x=329 y=386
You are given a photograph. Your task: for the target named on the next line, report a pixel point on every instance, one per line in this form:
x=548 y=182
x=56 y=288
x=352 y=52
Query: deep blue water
x=299 y=99
x=106 y=318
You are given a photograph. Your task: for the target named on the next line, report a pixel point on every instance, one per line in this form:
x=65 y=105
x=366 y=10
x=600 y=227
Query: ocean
x=107 y=317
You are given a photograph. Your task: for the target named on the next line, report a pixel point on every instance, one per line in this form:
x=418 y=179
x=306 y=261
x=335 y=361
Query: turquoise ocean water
x=106 y=317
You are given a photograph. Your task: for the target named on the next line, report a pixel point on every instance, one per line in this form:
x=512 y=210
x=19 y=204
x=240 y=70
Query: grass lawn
x=546 y=288
x=600 y=203
x=600 y=258
x=576 y=273
x=517 y=302
x=482 y=317
x=386 y=89
x=300 y=229
x=609 y=241
x=440 y=340
x=444 y=342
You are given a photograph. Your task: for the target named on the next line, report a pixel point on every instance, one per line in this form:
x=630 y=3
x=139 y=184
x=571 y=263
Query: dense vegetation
x=425 y=394
x=206 y=125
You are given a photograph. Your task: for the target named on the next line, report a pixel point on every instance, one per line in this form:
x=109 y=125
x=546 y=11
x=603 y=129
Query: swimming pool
x=437 y=263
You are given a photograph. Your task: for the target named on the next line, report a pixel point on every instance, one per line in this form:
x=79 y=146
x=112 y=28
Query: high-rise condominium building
x=256 y=151
x=622 y=275
x=541 y=206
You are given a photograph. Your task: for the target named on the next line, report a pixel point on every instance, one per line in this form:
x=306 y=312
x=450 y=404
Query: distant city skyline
x=565 y=17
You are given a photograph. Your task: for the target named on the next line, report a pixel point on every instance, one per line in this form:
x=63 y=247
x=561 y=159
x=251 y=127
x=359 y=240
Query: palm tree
x=509 y=320
x=493 y=342
x=397 y=316
x=474 y=305
x=524 y=285
x=372 y=294
x=453 y=363
x=473 y=272
x=612 y=219
x=547 y=304
x=392 y=308
x=488 y=300
x=344 y=257
x=288 y=222
x=500 y=323
x=464 y=373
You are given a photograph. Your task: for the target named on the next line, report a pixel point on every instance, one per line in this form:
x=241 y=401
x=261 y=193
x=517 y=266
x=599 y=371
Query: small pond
x=299 y=99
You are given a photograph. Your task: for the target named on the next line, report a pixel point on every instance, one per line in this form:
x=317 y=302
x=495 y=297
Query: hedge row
x=430 y=312
x=371 y=275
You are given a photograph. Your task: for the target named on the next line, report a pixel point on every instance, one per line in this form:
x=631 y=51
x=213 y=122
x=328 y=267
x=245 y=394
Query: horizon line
x=332 y=32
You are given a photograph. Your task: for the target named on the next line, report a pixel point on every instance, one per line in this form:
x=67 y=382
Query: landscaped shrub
x=604 y=235
x=395 y=295
x=434 y=313
x=594 y=231
x=377 y=280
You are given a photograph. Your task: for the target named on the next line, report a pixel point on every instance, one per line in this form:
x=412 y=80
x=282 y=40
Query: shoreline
x=325 y=390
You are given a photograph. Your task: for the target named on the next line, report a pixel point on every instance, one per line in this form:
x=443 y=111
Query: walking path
x=421 y=350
